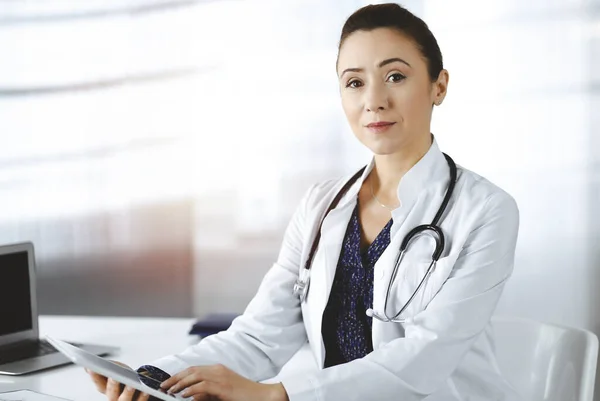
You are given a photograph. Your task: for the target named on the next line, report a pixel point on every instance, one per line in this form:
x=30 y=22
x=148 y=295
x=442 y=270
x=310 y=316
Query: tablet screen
x=110 y=369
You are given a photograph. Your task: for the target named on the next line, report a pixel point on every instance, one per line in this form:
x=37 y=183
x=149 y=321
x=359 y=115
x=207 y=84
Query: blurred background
x=154 y=150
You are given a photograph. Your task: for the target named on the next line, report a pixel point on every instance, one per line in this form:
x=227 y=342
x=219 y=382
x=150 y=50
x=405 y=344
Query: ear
x=440 y=88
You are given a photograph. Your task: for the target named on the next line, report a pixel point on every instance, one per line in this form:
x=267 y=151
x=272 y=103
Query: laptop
x=21 y=349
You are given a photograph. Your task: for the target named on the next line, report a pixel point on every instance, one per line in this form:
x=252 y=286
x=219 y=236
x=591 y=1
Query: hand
x=217 y=381
x=115 y=391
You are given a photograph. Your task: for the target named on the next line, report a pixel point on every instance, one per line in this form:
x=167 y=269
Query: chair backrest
x=546 y=362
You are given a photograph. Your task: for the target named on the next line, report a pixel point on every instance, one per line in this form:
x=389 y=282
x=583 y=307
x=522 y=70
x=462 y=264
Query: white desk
x=141 y=340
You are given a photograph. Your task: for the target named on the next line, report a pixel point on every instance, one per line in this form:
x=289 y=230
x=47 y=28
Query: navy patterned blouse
x=346 y=328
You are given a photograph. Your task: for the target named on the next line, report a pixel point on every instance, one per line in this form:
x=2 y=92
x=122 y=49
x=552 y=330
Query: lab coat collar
x=425 y=176
x=430 y=169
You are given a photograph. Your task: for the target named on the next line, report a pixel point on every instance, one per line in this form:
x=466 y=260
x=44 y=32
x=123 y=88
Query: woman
x=440 y=347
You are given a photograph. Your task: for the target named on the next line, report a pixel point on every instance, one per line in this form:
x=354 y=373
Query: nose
x=376 y=99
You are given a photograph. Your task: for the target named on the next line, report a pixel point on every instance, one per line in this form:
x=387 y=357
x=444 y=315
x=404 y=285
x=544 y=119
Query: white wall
x=523 y=111
x=520 y=111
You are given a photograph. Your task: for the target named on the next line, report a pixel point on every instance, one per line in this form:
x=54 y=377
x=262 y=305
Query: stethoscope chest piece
x=302 y=284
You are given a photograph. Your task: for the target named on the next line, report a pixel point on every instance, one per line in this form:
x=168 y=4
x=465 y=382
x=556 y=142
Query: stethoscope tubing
x=301 y=286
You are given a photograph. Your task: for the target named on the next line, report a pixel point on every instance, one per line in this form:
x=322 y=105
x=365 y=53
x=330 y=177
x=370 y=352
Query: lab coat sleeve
x=270 y=331
x=412 y=367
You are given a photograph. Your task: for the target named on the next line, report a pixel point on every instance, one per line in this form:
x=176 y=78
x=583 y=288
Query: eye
x=397 y=77
x=351 y=83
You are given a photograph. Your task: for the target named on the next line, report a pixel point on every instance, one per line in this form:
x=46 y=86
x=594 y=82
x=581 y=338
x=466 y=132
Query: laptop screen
x=15 y=297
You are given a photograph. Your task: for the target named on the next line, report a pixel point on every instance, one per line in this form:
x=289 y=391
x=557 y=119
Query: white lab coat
x=444 y=352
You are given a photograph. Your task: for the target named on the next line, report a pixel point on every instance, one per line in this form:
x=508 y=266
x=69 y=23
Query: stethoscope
x=303 y=282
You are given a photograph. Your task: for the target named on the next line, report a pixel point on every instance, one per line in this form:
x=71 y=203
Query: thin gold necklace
x=378 y=201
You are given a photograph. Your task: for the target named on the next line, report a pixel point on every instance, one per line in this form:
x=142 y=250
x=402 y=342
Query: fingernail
x=185 y=393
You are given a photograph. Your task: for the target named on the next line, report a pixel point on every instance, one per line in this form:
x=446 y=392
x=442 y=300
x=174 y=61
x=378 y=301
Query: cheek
x=414 y=99
x=404 y=97
x=352 y=109
x=411 y=108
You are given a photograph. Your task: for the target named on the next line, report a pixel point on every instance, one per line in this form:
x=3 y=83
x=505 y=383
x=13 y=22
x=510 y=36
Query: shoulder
x=482 y=200
x=480 y=189
x=320 y=194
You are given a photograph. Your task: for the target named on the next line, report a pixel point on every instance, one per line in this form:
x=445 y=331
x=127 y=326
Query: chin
x=381 y=147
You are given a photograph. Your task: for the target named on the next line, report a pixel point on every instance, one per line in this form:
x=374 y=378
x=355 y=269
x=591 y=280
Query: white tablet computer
x=110 y=369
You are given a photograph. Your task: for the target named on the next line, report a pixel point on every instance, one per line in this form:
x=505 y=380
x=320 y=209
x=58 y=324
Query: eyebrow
x=383 y=63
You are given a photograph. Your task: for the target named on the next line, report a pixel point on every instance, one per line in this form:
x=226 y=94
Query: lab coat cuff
x=170 y=364
x=301 y=388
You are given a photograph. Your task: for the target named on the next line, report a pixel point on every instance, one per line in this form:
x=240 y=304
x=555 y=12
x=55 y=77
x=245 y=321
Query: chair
x=543 y=362
x=546 y=362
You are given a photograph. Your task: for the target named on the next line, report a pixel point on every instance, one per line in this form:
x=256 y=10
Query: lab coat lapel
x=326 y=259
x=383 y=271
x=332 y=237
x=325 y=263
x=334 y=231
x=421 y=192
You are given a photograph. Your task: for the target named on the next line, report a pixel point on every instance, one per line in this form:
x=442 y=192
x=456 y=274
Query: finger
x=203 y=397
x=113 y=390
x=98 y=380
x=143 y=397
x=196 y=377
x=214 y=373
x=175 y=378
x=127 y=394
x=204 y=391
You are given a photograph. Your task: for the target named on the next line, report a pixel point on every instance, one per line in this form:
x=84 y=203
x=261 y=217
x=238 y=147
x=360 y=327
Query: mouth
x=380 y=126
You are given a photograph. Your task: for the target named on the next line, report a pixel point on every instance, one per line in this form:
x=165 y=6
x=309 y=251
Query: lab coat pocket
x=408 y=282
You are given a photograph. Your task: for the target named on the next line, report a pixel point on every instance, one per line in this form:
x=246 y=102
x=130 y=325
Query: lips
x=380 y=124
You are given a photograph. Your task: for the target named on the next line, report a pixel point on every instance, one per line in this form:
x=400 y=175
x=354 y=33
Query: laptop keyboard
x=30 y=349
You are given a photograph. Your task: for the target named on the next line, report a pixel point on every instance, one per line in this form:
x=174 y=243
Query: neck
x=389 y=169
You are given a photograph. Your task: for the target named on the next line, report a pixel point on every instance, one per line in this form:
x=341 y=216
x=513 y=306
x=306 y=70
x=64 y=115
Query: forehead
x=365 y=49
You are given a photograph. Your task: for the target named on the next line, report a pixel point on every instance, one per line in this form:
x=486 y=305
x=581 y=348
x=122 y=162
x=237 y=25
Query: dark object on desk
x=213 y=324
